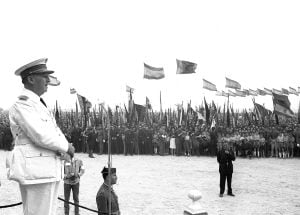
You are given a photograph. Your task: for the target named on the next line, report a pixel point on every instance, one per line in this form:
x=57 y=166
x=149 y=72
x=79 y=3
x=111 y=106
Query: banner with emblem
x=151 y=72
x=185 y=67
x=209 y=86
x=232 y=84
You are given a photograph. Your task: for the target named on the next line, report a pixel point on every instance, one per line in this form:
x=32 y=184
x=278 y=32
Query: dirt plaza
x=159 y=185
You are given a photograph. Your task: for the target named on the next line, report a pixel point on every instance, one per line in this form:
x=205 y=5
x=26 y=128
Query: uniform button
x=41 y=154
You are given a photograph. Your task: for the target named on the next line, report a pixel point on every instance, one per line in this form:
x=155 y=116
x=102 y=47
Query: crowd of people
x=280 y=141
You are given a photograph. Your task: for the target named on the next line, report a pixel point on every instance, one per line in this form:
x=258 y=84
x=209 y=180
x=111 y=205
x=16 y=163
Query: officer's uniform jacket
x=102 y=200
x=38 y=142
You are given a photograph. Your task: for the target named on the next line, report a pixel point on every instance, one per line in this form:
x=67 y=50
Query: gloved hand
x=71 y=150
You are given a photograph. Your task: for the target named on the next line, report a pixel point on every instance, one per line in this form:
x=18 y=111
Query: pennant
x=299 y=113
x=185 y=67
x=252 y=92
x=207 y=112
x=209 y=86
x=153 y=72
x=282 y=105
x=298 y=89
x=284 y=91
x=268 y=91
x=293 y=91
x=232 y=84
x=148 y=105
x=261 y=92
x=72 y=91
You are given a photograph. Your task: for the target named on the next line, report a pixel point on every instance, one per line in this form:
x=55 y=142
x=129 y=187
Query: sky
x=98 y=47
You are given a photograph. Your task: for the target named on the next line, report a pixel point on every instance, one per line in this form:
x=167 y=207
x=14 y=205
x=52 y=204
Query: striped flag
x=153 y=72
x=284 y=91
x=209 y=86
x=268 y=91
x=252 y=92
x=231 y=93
x=53 y=81
x=261 y=92
x=72 y=91
x=293 y=91
x=185 y=67
x=240 y=93
x=232 y=84
x=282 y=105
x=129 y=89
x=278 y=92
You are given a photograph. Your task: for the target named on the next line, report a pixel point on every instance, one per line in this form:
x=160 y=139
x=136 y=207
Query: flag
x=153 y=72
x=209 y=86
x=160 y=115
x=268 y=91
x=252 y=92
x=284 y=91
x=299 y=113
x=246 y=92
x=240 y=93
x=85 y=106
x=298 y=89
x=231 y=93
x=261 y=111
x=261 y=92
x=282 y=105
x=53 y=81
x=207 y=112
x=129 y=89
x=278 y=92
x=232 y=84
x=185 y=67
x=72 y=91
x=293 y=91
x=141 y=112
x=148 y=105
x=56 y=113
x=218 y=93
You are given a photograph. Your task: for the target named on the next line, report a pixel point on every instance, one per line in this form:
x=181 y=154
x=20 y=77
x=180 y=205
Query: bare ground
x=159 y=185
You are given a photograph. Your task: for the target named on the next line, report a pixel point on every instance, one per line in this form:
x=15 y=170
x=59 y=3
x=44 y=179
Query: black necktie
x=43 y=102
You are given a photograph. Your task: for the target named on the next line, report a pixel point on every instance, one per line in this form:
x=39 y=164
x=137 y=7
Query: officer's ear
x=30 y=80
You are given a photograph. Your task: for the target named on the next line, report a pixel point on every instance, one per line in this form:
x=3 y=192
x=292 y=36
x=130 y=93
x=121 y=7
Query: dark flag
x=141 y=112
x=185 y=67
x=207 y=112
x=56 y=113
x=282 y=105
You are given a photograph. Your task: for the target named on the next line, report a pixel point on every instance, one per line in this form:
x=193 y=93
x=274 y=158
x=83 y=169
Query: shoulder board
x=23 y=98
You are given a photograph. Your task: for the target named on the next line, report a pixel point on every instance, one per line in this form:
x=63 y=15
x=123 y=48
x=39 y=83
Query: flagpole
x=109 y=162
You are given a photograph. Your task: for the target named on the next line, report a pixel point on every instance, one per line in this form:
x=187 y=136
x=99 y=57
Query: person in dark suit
x=225 y=157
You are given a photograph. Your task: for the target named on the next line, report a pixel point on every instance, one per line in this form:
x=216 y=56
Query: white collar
x=30 y=94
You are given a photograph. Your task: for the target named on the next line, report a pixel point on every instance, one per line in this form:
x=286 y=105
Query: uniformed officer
x=102 y=198
x=36 y=163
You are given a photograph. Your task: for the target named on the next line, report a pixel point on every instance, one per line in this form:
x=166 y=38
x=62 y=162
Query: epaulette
x=23 y=98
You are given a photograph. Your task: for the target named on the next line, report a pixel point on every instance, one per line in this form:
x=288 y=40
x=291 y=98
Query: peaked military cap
x=105 y=170
x=35 y=67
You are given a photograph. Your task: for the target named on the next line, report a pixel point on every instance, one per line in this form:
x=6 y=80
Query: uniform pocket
x=40 y=167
